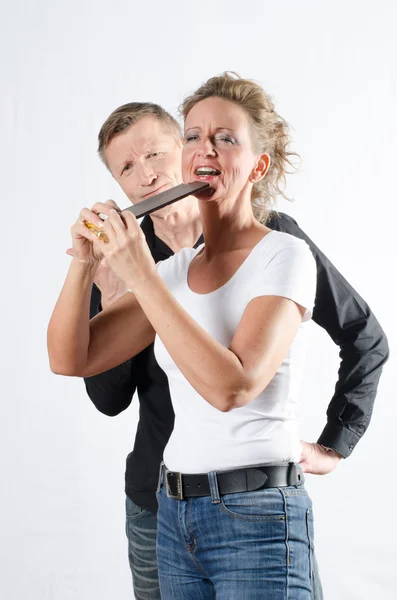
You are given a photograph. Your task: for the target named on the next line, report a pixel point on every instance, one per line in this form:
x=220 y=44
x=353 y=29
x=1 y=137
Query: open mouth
x=206 y=172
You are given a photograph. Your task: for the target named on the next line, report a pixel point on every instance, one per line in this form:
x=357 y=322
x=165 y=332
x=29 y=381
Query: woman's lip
x=206 y=177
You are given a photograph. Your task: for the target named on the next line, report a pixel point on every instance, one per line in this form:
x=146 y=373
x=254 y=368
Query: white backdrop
x=65 y=65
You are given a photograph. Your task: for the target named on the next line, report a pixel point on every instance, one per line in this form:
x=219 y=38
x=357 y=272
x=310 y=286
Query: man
x=141 y=146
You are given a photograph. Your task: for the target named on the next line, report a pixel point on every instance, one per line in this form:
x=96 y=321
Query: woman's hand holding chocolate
x=82 y=236
x=126 y=250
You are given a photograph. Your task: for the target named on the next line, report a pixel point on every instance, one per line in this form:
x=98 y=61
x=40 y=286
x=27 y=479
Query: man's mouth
x=154 y=192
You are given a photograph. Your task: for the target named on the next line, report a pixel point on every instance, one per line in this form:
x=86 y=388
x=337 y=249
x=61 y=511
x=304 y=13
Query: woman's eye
x=225 y=138
x=215 y=139
x=191 y=138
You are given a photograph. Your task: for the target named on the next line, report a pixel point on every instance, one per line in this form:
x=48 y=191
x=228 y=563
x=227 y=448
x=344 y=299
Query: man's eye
x=155 y=155
x=127 y=167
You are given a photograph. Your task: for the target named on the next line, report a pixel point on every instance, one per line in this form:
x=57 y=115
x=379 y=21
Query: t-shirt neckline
x=223 y=286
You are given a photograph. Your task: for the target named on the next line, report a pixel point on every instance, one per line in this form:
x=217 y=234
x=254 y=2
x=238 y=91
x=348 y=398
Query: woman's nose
x=207 y=148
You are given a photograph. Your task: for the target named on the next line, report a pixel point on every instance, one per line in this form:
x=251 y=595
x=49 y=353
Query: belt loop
x=299 y=475
x=161 y=477
x=214 y=489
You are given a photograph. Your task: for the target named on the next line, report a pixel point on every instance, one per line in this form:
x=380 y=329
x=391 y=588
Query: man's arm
x=111 y=392
x=363 y=348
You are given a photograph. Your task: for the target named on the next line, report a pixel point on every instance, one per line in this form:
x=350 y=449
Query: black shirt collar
x=160 y=250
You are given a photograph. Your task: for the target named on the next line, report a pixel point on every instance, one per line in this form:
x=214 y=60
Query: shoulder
x=278 y=243
x=285 y=258
x=286 y=268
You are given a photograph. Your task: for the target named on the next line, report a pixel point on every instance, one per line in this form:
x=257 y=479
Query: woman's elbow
x=231 y=399
x=241 y=394
x=66 y=369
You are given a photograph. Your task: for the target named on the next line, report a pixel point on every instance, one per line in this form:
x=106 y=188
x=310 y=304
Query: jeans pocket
x=132 y=510
x=262 y=505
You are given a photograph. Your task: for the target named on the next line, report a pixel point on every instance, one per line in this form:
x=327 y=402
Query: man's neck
x=180 y=228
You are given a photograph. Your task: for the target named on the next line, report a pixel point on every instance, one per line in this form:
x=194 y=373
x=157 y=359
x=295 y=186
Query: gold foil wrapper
x=101 y=235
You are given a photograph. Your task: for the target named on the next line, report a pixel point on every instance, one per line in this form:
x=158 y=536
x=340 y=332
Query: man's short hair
x=124 y=116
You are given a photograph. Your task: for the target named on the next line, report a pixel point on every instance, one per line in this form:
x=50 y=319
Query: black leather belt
x=180 y=486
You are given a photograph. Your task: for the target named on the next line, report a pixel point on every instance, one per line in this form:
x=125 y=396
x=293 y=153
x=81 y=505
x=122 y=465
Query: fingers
x=317 y=461
x=121 y=223
x=131 y=222
x=115 y=223
x=82 y=230
x=104 y=208
x=86 y=224
x=112 y=204
x=92 y=217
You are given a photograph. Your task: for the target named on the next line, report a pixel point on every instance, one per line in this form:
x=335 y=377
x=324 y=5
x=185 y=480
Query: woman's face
x=218 y=147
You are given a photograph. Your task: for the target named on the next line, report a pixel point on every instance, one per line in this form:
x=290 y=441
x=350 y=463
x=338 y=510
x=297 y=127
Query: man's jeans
x=141 y=531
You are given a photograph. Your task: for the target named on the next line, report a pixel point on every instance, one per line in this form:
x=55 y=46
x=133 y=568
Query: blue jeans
x=244 y=546
x=141 y=529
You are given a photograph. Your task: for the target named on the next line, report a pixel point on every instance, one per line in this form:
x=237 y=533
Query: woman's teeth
x=205 y=171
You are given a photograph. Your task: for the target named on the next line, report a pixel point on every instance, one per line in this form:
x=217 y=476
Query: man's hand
x=316 y=460
x=111 y=287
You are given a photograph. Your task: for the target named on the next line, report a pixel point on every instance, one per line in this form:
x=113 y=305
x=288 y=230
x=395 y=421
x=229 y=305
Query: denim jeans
x=243 y=546
x=141 y=531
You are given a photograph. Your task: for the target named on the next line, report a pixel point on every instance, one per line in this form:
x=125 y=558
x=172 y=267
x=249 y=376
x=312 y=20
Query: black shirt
x=338 y=309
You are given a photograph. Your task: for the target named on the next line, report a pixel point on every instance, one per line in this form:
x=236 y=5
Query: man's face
x=145 y=159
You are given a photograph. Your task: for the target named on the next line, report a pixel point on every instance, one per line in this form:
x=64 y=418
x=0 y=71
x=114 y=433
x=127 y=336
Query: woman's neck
x=229 y=226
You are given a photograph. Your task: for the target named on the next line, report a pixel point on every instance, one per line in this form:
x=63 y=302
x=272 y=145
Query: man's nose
x=147 y=173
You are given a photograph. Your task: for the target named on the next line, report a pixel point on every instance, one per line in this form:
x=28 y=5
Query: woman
x=228 y=323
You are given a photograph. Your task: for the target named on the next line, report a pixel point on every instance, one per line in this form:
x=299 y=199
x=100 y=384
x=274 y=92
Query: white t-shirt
x=265 y=430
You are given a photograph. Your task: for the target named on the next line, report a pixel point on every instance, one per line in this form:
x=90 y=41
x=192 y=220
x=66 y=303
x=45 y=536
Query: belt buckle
x=178 y=478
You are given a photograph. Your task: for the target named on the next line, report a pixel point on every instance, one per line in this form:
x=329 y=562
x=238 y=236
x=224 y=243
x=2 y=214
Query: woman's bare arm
x=77 y=346
x=226 y=377
x=82 y=348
